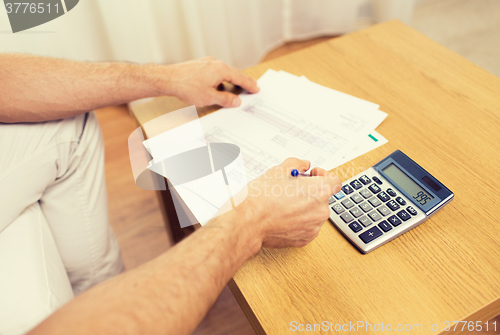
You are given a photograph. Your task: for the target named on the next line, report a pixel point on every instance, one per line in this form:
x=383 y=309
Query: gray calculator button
x=365 y=221
x=357 y=198
x=337 y=208
x=366 y=193
x=375 y=202
x=384 y=210
x=356 y=212
x=346 y=217
x=374 y=215
x=331 y=200
x=347 y=203
x=366 y=207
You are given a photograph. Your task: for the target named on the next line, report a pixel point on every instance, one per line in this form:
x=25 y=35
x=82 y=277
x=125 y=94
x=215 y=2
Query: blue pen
x=296 y=173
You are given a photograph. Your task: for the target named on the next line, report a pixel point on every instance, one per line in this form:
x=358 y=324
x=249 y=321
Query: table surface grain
x=444 y=112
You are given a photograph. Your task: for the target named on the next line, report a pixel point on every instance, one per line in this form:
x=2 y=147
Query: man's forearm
x=169 y=295
x=36 y=88
x=41 y=88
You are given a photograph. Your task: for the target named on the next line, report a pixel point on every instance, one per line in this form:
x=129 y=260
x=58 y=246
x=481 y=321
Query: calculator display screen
x=407 y=184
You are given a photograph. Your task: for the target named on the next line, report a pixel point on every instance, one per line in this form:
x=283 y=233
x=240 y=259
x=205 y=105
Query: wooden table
x=444 y=112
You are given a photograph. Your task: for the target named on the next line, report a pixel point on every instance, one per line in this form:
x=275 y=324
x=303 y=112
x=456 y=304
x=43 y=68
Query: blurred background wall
x=470 y=28
x=240 y=32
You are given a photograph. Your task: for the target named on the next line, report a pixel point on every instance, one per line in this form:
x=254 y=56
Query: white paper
x=280 y=122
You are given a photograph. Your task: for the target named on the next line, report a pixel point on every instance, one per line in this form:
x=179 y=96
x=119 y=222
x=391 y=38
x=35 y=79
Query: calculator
x=385 y=201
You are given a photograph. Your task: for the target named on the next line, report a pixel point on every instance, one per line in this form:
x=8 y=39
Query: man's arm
x=172 y=293
x=41 y=88
x=169 y=295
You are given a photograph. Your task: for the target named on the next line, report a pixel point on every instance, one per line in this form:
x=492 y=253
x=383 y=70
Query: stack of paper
x=290 y=117
x=294 y=117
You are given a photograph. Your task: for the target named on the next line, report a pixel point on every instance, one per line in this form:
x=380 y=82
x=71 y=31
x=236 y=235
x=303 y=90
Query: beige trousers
x=55 y=239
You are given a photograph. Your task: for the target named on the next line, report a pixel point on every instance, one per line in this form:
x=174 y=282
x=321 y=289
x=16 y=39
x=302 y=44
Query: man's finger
x=226 y=99
x=317 y=171
x=294 y=163
x=236 y=77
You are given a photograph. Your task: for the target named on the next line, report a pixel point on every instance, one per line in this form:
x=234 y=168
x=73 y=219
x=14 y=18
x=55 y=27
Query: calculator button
x=339 y=195
x=384 y=197
x=365 y=193
x=365 y=221
x=356 y=212
x=356 y=184
x=370 y=234
x=355 y=227
x=401 y=201
x=374 y=188
x=357 y=198
x=411 y=210
x=385 y=226
x=375 y=202
x=347 y=189
x=364 y=179
x=378 y=181
x=393 y=205
x=403 y=215
x=394 y=220
x=331 y=200
x=391 y=192
x=374 y=215
x=337 y=208
x=347 y=203
x=346 y=217
x=365 y=207
x=384 y=210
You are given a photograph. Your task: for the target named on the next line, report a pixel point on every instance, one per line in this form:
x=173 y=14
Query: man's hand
x=195 y=82
x=289 y=211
